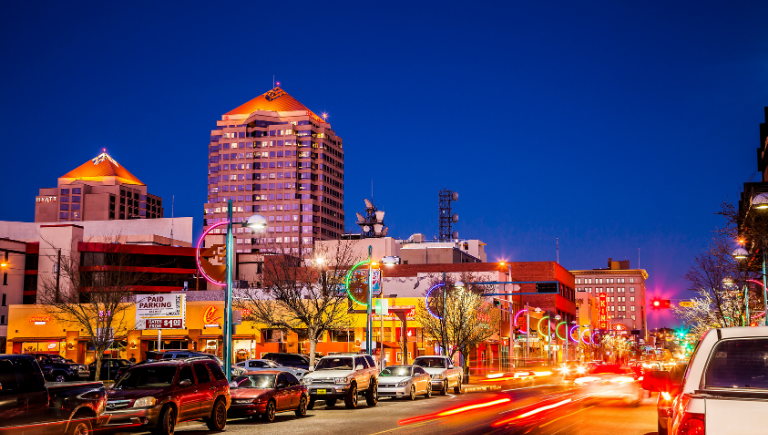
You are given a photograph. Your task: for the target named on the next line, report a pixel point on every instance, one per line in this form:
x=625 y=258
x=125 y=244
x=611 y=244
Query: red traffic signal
x=658 y=304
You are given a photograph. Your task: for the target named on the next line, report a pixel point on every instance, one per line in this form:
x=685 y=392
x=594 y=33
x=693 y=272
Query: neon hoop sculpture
x=538 y=327
x=199 y=248
x=346 y=283
x=518 y=315
x=426 y=301
x=582 y=336
x=570 y=334
x=557 y=329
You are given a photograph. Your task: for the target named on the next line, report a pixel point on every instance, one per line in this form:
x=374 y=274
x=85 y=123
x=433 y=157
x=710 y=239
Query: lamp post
x=557 y=319
x=256 y=223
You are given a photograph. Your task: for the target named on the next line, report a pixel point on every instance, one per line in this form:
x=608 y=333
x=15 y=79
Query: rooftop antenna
x=173 y=198
x=557 y=245
x=273 y=81
x=638 y=258
x=371 y=189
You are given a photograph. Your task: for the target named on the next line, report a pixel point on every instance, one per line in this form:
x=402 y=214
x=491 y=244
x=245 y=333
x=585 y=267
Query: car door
x=205 y=388
x=13 y=401
x=282 y=392
x=33 y=386
x=418 y=379
x=189 y=402
x=361 y=375
x=294 y=390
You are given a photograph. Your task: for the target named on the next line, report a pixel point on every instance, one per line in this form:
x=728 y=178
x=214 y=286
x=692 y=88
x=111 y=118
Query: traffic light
x=658 y=304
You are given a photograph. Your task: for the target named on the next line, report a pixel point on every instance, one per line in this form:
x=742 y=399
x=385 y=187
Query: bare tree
x=460 y=318
x=96 y=294
x=303 y=295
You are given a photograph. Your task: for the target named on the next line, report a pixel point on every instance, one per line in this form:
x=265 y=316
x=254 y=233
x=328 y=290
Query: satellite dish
x=368 y=204
x=366 y=228
x=455 y=234
x=455 y=196
x=455 y=218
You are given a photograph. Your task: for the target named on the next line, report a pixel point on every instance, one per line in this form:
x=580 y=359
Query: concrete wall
x=12 y=253
x=182 y=228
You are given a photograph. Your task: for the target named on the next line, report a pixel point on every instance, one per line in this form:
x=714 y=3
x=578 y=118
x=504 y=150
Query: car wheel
x=301 y=411
x=311 y=404
x=444 y=390
x=166 y=424
x=350 y=401
x=218 y=419
x=457 y=388
x=330 y=403
x=82 y=427
x=269 y=414
x=429 y=390
x=372 y=395
x=412 y=393
x=59 y=377
x=662 y=430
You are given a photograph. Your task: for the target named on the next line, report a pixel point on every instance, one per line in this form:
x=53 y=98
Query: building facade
x=624 y=289
x=99 y=189
x=274 y=157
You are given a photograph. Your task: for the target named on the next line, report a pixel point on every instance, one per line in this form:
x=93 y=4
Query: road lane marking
x=566 y=415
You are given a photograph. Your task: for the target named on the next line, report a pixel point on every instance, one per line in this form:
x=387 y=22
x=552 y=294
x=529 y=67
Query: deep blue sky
x=613 y=126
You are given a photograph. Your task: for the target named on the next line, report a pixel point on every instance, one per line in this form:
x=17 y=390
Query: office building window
x=631 y=289
x=632 y=308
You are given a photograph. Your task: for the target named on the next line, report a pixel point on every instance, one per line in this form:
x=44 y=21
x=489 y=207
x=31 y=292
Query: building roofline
x=609 y=272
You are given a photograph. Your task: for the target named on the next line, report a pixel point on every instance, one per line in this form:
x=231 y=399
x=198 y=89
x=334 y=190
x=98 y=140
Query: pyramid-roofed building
x=99 y=189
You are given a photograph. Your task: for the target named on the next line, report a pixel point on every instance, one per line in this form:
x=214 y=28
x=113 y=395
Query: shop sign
x=45 y=199
x=39 y=320
x=410 y=315
x=210 y=318
x=603 y=305
x=530 y=340
x=52 y=346
x=158 y=310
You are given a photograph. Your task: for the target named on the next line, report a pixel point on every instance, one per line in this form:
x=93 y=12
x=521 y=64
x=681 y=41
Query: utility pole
x=445 y=316
x=58 y=272
x=368 y=324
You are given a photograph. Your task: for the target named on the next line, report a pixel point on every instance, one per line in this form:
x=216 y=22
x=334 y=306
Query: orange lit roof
x=100 y=167
x=275 y=100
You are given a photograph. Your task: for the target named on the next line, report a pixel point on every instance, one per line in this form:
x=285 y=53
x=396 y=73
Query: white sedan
x=255 y=365
x=404 y=381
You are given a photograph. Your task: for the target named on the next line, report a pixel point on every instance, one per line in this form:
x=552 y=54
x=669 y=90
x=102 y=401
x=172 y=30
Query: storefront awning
x=165 y=337
x=36 y=339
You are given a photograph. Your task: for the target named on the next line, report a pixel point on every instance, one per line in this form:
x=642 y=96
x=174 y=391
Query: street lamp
x=257 y=223
x=740 y=254
x=760 y=202
x=557 y=324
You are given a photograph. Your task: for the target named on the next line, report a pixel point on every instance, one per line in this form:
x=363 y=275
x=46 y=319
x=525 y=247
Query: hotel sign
x=161 y=311
x=46 y=199
x=603 y=306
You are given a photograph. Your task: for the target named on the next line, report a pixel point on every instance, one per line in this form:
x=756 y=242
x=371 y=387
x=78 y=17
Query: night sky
x=613 y=126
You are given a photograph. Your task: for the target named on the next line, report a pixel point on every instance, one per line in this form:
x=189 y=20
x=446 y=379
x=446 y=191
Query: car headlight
x=307 y=381
x=402 y=383
x=144 y=402
x=242 y=401
x=437 y=376
x=341 y=381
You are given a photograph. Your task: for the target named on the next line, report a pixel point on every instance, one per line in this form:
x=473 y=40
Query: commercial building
x=624 y=289
x=99 y=189
x=274 y=157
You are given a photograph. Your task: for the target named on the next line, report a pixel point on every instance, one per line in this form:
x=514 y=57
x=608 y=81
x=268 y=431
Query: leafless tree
x=303 y=295
x=460 y=318
x=94 y=291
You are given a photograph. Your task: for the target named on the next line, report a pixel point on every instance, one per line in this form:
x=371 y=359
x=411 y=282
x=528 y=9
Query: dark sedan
x=265 y=393
x=111 y=369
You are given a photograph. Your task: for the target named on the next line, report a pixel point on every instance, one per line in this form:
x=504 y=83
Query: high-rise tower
x=274 y=157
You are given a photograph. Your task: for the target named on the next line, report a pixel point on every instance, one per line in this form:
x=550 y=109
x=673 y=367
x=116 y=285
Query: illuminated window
x=631 y=289
x=632 y=308
x=631 y=280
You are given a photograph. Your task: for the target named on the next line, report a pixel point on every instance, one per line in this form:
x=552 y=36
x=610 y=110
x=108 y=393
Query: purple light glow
x=518 y=315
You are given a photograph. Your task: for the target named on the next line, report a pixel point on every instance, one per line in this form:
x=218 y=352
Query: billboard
x=161 y=311
x=603 y=305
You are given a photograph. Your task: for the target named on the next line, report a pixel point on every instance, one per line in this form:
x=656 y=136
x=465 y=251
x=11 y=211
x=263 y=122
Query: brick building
x=99 y=189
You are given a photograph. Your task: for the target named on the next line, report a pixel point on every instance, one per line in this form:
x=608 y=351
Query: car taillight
x=692 y=424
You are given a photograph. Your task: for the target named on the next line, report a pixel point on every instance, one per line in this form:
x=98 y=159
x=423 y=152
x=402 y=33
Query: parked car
x=442 y=371
x=668 y=384
x=296 y=360
x=186 y=354
x=110 y=368
x=255 y=365
x=57 y=369
x=157 y=396
x=29 y=406
x=342 y=376
x=725 y=387
x=404 y=381
x=266 y=392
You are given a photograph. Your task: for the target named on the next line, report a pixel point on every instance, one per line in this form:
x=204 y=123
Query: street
x=471 y=416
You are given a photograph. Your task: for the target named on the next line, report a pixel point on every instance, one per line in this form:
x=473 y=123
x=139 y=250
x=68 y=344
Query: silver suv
x=343 y=376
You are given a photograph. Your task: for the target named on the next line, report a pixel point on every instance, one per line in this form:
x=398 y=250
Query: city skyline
x=580 y=144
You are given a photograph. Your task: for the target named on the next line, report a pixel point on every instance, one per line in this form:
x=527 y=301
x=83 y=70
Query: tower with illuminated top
x=274 y=157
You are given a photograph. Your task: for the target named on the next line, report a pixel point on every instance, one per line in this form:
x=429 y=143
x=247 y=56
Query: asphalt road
x=555 y=412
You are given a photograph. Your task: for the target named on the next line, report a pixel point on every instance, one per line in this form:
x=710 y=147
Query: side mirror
x=185 y=383
x=359 y=367
x=281 y=385
x=656 y=380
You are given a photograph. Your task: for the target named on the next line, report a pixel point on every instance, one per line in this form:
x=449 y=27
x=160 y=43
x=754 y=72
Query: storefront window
x=49 y=347
x=243 y=350
x=343 y=336
x=168 y=345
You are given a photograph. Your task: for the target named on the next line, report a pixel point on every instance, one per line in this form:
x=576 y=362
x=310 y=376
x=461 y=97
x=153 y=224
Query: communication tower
x=447 y=197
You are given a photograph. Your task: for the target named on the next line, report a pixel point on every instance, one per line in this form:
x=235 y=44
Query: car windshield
x=147 y=377
x=334 y=364
x=253 y=381
x=430 y=362
x=396 y=371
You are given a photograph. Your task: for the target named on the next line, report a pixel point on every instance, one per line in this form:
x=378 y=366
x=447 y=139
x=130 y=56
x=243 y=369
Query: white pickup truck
x=725 y=389
x=343 y=377
x=442 y=371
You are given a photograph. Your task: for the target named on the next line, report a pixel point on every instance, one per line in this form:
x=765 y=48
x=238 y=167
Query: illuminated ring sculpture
x=592 y=338
x=518 y=315
x=570 y=334
x=557 y=329
x=426 y=300
x=538 y=327
x=346 y=282
x=582 y=336
x=197 y=255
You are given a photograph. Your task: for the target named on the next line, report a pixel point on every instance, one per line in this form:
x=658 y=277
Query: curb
x=479 y=388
